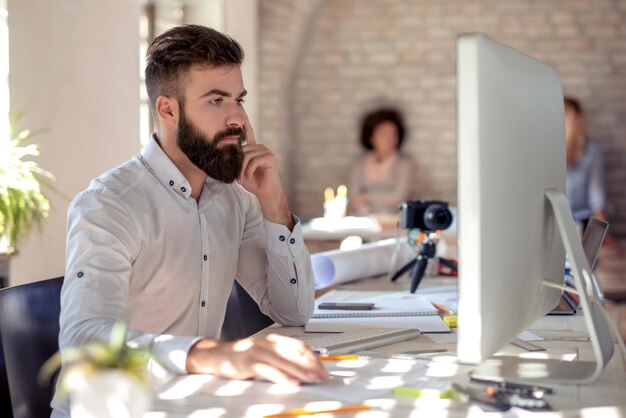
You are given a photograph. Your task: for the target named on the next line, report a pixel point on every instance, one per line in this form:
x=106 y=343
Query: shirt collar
x=168 y=174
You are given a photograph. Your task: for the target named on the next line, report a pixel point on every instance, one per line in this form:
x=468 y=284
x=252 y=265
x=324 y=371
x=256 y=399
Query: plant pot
x=110 y=394
x=5 y=262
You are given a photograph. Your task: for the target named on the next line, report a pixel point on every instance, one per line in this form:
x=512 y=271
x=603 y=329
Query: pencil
x=339 y=410
x=339 y=358
x=441 y=308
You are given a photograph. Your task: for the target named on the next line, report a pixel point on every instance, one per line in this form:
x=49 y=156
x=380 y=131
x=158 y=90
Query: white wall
x=239 y=19
x=74 y=70
x=242 y=23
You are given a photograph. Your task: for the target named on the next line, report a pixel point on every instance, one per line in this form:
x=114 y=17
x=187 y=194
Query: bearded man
x=158 y=241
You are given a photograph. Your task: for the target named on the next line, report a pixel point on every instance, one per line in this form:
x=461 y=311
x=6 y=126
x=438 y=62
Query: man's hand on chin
x=260 y=176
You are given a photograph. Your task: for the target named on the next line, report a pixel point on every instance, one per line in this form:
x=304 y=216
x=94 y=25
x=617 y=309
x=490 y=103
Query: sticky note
x=450 y=320
x=427 y=393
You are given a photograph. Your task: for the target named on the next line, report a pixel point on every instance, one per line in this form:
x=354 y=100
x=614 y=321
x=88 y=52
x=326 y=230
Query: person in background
x=158 y=241
x=585 y=167
x=381 y=179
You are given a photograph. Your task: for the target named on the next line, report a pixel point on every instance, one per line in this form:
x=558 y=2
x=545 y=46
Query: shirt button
x=282 y=237
x=203 y=304
x=205 y=258
x=80 y=274
x=292 y=241
x=171 y=182
x=293 y=280
x=182 y=189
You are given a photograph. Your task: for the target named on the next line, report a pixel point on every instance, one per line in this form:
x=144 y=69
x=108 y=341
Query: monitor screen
x=514 y=220
x=593 y=236
x=511 y=149
x=592 y=239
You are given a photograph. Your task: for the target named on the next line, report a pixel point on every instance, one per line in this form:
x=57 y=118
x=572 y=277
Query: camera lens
x=437 y=217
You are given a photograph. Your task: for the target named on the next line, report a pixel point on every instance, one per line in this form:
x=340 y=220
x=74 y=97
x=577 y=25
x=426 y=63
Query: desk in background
x=327 y=238
x=318 y=239
x=206 y=396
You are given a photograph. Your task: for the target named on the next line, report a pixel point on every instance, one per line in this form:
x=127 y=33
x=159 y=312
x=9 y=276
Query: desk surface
x=369 y=234
x=195 y=396
x=318 y=240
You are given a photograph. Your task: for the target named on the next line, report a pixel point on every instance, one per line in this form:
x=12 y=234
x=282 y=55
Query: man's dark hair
x=574 y=104
x=373 y=119
x=172 y=54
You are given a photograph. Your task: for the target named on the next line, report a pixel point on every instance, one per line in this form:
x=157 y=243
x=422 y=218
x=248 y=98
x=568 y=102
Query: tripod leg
x=452 y=266
x=404 y=269
x=418 y=272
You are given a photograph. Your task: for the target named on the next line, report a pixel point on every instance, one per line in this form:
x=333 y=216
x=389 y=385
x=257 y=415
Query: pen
x=339 y=358
x=339 y=410
x=441 y=308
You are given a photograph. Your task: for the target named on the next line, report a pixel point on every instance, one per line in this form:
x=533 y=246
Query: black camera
x=427 y=215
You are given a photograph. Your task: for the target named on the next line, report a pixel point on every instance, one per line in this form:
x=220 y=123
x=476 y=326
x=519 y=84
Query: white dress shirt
x=141 y=249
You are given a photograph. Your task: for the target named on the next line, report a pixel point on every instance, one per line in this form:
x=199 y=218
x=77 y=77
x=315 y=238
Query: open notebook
x=393 y=304
x=392 y=310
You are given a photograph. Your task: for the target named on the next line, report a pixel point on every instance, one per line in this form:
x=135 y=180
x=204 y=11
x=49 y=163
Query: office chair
x=5 y=396
x=29 y=328
x=243 y=316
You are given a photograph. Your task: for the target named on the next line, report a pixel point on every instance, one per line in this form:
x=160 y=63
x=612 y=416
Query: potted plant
x=103 y=380
x=23 y=204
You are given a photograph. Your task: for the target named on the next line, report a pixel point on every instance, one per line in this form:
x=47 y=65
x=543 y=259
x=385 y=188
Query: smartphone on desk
x=357 y=306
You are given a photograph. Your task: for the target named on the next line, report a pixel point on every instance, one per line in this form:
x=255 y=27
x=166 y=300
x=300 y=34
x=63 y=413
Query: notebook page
x=389 y=304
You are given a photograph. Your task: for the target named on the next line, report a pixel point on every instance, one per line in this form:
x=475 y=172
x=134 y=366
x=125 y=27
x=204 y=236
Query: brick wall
x=325 y=62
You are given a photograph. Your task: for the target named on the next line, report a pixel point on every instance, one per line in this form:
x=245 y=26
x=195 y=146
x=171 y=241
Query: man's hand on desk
x=276 y=358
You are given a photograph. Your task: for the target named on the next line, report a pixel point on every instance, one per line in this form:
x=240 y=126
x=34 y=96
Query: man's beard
x=223 y=164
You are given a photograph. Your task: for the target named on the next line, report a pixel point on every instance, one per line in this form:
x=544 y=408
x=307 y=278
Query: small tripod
x=427 y=249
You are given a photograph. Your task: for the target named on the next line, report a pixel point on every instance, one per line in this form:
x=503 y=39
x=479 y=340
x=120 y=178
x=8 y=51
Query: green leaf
x=97 y=355
x=118 y=336
x=71 y=355
x=23 y=204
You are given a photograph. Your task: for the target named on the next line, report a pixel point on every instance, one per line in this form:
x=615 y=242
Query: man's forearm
x=277 y=211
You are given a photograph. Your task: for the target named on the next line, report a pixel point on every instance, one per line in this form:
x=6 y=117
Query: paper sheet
x=443 y=338
x=529 y=336
x=445 y=295
x=430 y=323
x=373 y=259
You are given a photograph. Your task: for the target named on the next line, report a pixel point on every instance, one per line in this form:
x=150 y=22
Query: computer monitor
x=514 y=220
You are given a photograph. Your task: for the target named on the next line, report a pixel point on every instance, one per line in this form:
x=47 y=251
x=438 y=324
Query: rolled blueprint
x=369 y=260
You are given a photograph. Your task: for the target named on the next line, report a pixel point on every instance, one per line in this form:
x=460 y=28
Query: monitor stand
x=525 y=370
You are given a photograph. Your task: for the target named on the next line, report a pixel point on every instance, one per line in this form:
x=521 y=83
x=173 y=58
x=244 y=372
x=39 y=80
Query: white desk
x=205 y=396
x=318 y=240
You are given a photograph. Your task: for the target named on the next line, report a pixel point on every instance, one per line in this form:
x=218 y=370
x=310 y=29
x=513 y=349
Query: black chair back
x=5 y=395
x=29 y=328
x=243 y=316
